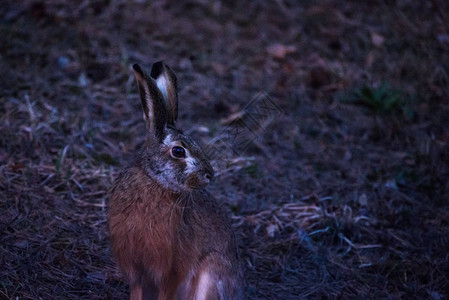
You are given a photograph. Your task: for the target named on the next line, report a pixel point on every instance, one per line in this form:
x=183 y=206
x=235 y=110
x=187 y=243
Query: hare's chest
x=154 y=223
x=152 y=238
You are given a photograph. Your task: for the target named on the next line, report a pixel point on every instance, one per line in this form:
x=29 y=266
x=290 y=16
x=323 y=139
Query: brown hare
x=170 y=237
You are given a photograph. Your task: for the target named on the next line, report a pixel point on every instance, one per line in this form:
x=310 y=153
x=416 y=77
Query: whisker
x=175 y=204
x=184 y=206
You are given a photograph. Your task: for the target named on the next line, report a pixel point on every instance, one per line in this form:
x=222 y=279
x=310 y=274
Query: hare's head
x=172 y=158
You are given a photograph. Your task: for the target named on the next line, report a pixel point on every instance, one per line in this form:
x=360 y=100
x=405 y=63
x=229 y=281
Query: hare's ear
x=168 y=85
x=154 y=110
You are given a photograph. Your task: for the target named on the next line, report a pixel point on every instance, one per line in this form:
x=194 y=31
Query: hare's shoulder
x=208 y=205
x=212 y=215
x=132 y=176
x=134 y=180
x=133 y=186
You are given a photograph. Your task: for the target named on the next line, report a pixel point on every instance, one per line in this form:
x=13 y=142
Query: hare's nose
x=208 y=176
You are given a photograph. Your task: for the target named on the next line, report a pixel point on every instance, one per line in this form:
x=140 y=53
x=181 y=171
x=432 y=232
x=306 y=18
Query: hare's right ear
x=154 y=110
x=168 y=85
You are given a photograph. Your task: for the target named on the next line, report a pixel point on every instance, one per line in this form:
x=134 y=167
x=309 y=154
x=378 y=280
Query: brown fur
x=162 y=245
x=169 y=236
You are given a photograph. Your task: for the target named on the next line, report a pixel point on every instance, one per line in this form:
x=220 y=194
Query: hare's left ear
x=168 y=85
x=153 y=104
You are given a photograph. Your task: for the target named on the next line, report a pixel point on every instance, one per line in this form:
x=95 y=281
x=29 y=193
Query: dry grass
x=336 y=198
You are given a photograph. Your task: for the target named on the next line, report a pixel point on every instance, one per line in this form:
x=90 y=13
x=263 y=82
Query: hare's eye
x=178 y=152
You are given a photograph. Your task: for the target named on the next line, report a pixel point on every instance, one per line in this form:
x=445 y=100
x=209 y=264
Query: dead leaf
x=370 y=58
x=272 y=229
x=363 y=200
x=233 y=118
x=279 y=51
x=220 y=69
x=391 y=183
x=377 y=39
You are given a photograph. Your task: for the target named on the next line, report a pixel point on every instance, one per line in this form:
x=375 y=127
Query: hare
x=170 y=237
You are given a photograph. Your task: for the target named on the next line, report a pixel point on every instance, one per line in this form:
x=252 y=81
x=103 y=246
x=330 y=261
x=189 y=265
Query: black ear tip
x=157 y=69
x=137 y=69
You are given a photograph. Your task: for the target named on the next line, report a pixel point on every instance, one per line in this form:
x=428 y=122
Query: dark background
x=342 y=195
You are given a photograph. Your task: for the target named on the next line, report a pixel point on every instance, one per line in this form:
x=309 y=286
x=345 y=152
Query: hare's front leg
x=206 y=287
x=136 y=291
x=150 y=291
x=215 y=279
x=143 y=292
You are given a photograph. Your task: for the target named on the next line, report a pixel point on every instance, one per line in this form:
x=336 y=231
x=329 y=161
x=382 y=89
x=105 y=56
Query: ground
x=341 y=191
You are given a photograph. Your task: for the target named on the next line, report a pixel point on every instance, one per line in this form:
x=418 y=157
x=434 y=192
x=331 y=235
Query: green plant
x=382 y=100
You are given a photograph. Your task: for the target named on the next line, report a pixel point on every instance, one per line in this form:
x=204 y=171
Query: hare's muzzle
x=199 y=180
x=208 y=177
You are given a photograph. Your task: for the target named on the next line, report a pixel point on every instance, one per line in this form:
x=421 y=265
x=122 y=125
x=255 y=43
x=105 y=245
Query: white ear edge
x=144 y=89
x=150 y=116
x=168 y=139
x=162 y=84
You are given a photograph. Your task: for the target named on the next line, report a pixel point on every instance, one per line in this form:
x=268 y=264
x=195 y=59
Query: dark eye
x=178 y=152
